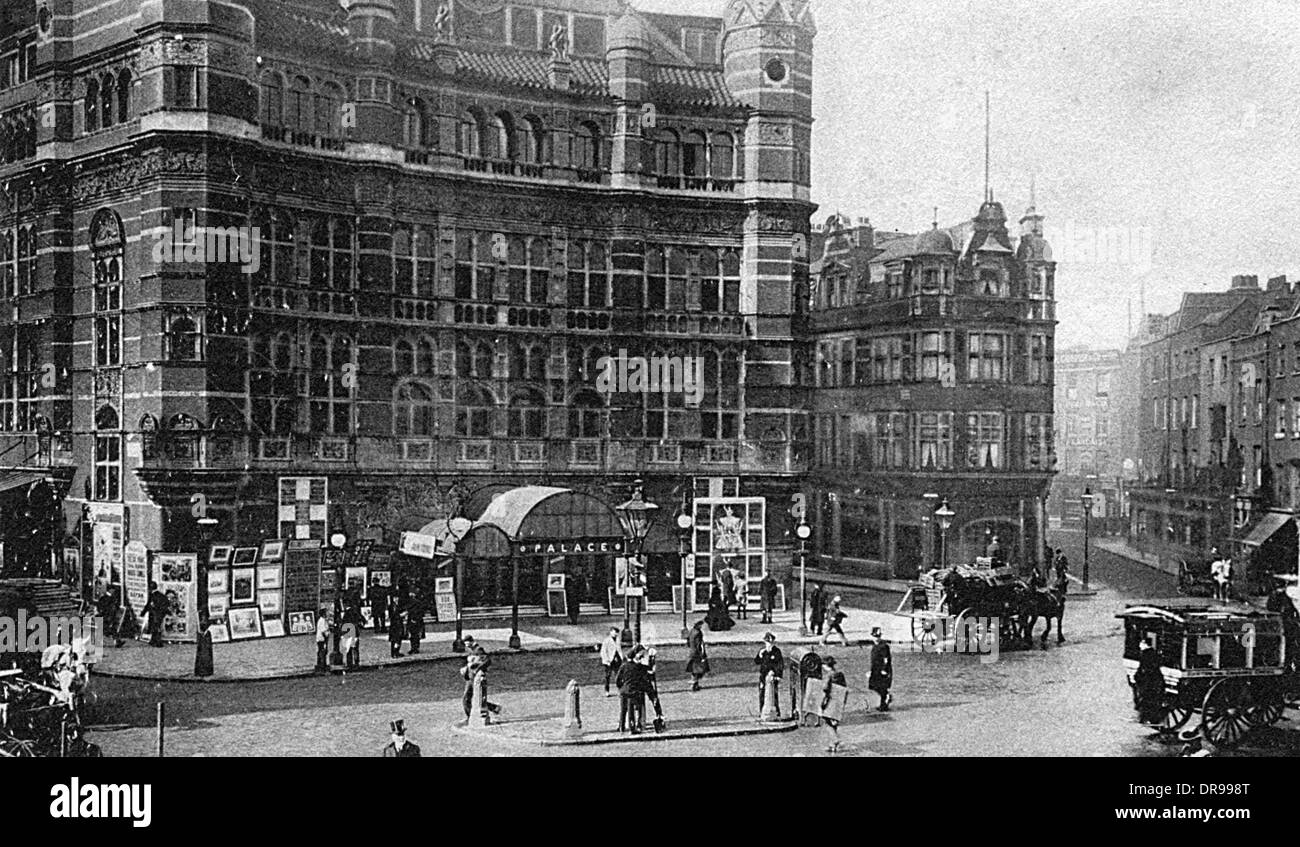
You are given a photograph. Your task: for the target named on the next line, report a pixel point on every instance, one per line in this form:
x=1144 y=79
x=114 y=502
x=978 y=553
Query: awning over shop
x=437 y=539
x=10 y=480
x=1267 y=527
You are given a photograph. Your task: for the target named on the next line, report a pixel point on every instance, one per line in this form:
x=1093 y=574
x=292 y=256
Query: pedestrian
x=156 y=610
x=697 y=663
x=379 y=604
x=396 y=628
x=882 y=669
x=835 y=689
x=350 y=644
x=742 y=595
x=1149 y=685
x=610 y=656
x=652 y=686
x=767 y=596
x=631 y=683
x=718 y=618
x=727 y=583
x=415 y=620
x=770 y=662
x=1221 y=571
x=817 y=608
x=322 y=638
x=477 y=662
x=398 y=747
x=834 y=620
x=203 y=650
x=573 y=593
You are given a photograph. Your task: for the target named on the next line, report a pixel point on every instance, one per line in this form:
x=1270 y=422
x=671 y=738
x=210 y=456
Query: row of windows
x=930 y=355
x=17 y=136
x=18 y=261
x=929 y=441
x=838 y=288
x=108 y=100
x=18 y=66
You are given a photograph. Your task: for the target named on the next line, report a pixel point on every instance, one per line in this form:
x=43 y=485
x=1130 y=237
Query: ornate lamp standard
x=457 y=529
x=635 y=515
x=1086 y=499
x=338 y=541
x=945 y=516
x=685 y=523
x=802 y=532
x=205 y=525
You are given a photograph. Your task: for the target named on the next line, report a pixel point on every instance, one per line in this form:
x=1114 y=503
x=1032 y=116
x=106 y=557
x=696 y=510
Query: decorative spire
x=988 y=191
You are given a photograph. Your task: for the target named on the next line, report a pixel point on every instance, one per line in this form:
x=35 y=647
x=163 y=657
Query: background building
x=460 y=207
x=933 y=382
x=1090 y=455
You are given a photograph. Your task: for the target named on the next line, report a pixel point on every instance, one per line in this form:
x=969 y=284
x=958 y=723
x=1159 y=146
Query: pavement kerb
x=731 y=729
x=432 y=657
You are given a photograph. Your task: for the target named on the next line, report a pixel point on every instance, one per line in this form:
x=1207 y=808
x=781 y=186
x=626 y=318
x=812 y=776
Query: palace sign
x=558 y=547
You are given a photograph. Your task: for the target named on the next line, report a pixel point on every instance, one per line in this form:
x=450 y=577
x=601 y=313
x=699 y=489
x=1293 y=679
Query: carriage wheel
x=923 y=634
x=1223 y=714
x=1176 y=714
x=1267 y=706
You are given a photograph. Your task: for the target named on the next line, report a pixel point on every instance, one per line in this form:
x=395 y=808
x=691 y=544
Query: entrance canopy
x=1267 y=527
x=533 y=520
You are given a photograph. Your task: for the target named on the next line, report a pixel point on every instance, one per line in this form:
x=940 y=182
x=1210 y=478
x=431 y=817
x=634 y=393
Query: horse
x=1041 y=603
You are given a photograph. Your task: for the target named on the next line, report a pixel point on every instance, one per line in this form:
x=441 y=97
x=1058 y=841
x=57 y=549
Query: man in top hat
x=399 y=747
x=882 y=669
x=769 y=661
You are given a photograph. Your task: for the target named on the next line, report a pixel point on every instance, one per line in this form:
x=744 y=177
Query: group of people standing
x=731 y=589
x=635 y=677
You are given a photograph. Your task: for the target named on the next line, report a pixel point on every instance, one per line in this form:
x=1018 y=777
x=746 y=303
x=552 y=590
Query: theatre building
x=933 y=385
x=454 y=209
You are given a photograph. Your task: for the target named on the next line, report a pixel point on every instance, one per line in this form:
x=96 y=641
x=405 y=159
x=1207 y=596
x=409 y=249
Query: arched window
x=413 y=410
x=329 y=111
x=403 y=358
x=107 y=484
x=528 y=414
x=298 y=106
x=585 y=151
x=668 y=161
x=501 y=140
x=106 y=249
x=107 y=87
x=92 y=105
x=695 y=155
x=272 y=106
x=415 y=132
x=474 y=408
x=469 y=138
x=722 y=161
x=123 y=95
x=184 y=340
x=586 y=415
x=534 y=138
x=528 y=361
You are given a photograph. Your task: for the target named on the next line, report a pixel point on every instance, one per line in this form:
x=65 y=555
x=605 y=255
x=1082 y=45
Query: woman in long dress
x=718 y=618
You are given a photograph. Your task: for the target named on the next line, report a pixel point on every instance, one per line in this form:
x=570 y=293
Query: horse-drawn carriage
x=968 y=599
x=1226 y=662
x=37 y=720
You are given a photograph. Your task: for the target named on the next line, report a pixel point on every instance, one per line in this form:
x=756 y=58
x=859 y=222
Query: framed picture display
x=271 y=603
x=268 y=577
x=617 y=601
x=385 y=578
x=219 y=582
x=302 y=623
x=244 y=556
x=245 y=623
x=241 y=585
x=444 y=585
x=272 y=551
x=354 y=579
x=273 y=628
x=557 y=603
x=367 y=619
x=220 y=634
x=554 y=580
x=219 y=555
x=218 y=605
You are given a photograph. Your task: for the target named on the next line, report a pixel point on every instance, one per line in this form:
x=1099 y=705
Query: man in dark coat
x=632 y=685
x=882 y=669
x=157 y=608
x=767 y=596
x=379 y=605
x=769 y=661
x=697 y=664
x=415 y=620
x=727 y=581
x=573 y=592
x=203 y=667
x=1149 y=685
x=817 y=609
x=399 y=747
x=396 y=628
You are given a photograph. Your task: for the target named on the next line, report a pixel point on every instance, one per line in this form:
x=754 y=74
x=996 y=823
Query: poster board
x=302 y=623
x=177 y=579
x=245 y=623
x=302 y=569
x=136 y=566
x=617 y=601
x=557 y=603
x=444 y=602
x=814 y=693
x=332 y=561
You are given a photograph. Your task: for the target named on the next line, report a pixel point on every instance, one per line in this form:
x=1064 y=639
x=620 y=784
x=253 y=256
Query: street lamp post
x=945 y=516
x=1086 y=500
x=685 y=523
x=802 y=531
x=635 y=515
x=205 y=525
x=457 y=529
x=338 y=541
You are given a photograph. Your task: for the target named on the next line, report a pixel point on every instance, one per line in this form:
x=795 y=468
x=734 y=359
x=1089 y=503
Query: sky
x=1162 y=139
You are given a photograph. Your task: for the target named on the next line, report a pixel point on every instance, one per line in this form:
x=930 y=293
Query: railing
x=678 y=182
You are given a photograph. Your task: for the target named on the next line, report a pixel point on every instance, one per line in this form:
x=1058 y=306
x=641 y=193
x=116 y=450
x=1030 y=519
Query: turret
x=628 y=54
x=371 y=34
